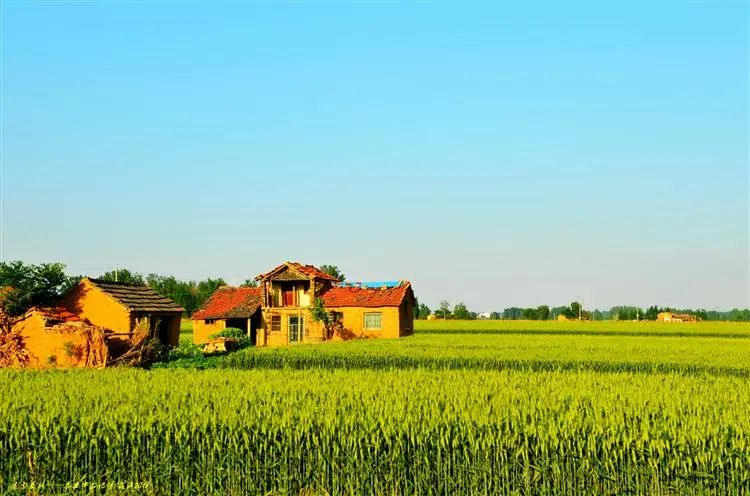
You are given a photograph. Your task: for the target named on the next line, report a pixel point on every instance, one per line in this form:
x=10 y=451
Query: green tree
x=424 y=311
x=530 y=314
x=556 y=311
x=24 y=286
x=333 y=271
x=651 y=313
x=319 y=313
x=461 y=312
x=190 y=295
x=513 y=313
x=250 y=283
x=124 y=276
x=576 y=310
x=542 y=312
x=739 y=315
x=444 y=312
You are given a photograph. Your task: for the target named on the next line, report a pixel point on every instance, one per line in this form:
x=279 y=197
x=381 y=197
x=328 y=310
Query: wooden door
x=288 y=295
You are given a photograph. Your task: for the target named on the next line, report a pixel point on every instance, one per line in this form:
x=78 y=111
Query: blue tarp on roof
x=371 y=284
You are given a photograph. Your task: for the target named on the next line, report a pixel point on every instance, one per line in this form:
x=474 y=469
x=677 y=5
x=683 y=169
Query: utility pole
x=115 y=275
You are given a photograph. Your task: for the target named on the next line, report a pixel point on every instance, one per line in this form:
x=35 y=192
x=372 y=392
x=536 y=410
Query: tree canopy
x=423 y=311
x=333 y=271
x=27 y=285
x=123 y=276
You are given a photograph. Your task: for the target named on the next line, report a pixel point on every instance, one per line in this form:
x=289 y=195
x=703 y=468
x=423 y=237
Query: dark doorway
x=238 y=324
x=160 y=329
x=255 y=321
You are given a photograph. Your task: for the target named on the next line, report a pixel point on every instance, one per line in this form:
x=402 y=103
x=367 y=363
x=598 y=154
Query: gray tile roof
x=137 y=298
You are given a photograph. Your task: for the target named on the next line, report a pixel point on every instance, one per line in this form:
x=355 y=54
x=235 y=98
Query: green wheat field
x=480 y=407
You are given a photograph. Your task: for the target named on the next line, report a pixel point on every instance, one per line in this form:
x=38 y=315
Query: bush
x=186 y=355
x=185 y=350
x=234 y=334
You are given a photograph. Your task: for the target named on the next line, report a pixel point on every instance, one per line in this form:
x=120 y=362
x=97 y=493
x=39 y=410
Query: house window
x=276 y=322
x=372 y=321
x=210 y=321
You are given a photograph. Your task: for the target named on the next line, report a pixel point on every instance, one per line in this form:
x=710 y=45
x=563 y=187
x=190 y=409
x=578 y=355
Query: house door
x=296 y=328
x=288 y=296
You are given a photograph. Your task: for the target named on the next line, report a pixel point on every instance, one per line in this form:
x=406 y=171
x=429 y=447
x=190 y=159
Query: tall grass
x=483 y=351
x=608 y=327
x=377 y=432
x=498 y=409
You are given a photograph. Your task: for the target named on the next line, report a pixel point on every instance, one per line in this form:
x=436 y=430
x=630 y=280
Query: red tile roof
x=366 y=297
x=308 y=270
x=229 y=302
x=312 y=271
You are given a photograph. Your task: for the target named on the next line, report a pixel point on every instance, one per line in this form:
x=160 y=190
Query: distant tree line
x=190 y=295
x=651 y=313
x=459 y=311
x=575 y=311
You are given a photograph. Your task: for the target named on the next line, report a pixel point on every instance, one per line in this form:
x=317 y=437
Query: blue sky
x=493 y=153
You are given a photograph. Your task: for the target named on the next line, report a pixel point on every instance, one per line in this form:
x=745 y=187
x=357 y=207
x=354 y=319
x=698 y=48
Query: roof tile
x=229 y=302
x=341 y=296
x=308 y=270
x=137 y=298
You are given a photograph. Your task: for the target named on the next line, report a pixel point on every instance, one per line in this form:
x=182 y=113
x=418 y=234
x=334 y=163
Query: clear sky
x=493 y=153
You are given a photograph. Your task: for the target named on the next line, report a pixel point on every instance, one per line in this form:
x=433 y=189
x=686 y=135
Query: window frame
x=380 y=321
x=275 y=322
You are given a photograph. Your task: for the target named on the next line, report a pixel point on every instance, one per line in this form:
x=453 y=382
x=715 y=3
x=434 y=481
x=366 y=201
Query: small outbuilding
x=228 y=307
x=119 y=307
x=55 y=336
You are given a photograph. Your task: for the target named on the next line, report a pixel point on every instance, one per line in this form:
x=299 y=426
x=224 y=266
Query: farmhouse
x=228 y=307
x=277 y=312
x=119 y=307
x=675 y=317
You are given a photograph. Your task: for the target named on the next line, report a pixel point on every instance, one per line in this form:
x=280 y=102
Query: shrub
x=232 y=333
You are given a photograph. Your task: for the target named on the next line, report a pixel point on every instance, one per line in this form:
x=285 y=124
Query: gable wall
x=92 y=304
x=202 y=330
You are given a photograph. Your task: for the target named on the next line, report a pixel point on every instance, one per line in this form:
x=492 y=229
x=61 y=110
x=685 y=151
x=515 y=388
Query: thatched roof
x=137 y=298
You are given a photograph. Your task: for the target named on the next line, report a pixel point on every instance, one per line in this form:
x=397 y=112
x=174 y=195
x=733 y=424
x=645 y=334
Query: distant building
x=675 y=317
x=483 y=315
